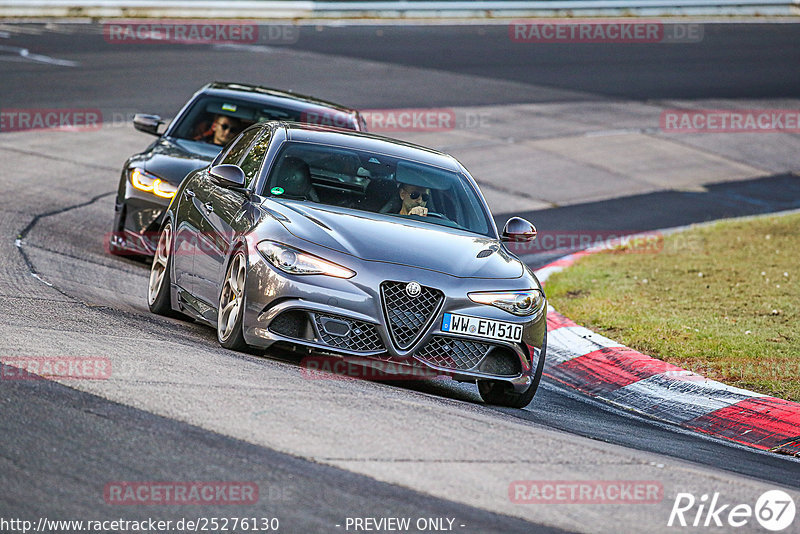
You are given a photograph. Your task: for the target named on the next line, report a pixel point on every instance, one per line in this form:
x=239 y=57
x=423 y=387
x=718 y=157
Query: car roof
x=259 y=94
x=378 y=144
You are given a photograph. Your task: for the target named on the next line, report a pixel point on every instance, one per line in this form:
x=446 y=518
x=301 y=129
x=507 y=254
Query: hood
x=173 y=159
x=384 y=238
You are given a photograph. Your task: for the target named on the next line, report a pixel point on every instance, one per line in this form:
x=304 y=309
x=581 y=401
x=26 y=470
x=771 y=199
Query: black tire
x=159 y=295
x=229 y=328
x=502 y=393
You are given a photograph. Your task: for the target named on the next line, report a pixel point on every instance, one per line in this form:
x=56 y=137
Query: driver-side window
x=252 y=162
x=239 y=147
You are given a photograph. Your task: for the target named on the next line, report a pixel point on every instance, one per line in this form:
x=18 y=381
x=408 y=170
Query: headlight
x=294 y=261
x=520 y=303
x=150 y=183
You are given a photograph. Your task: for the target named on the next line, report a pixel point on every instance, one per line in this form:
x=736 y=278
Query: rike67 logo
x=774 y=510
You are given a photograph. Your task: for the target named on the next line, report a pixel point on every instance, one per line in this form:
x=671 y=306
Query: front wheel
x=158 y=292
x=502 y=393
x=231 y=305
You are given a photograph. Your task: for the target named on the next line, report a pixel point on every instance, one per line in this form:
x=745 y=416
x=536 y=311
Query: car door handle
x=209 y=207
x=188 y=193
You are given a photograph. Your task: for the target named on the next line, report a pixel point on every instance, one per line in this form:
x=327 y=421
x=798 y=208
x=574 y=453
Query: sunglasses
x=224 y=126
x=416 y=194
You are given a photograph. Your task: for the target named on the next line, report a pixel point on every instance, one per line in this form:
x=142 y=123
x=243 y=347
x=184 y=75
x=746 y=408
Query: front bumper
x=137 y=222
x=348 y=319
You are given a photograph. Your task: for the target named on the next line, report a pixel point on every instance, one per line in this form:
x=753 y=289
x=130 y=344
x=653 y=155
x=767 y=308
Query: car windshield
x=217 y=120
x=377 y=183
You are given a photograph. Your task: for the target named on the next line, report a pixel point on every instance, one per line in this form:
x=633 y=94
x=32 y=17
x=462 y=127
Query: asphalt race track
x=180 y=408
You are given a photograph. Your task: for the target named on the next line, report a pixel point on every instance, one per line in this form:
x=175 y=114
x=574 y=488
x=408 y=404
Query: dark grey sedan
x=358 y=247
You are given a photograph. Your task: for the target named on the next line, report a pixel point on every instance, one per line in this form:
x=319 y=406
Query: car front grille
x=453 y=353
x=465 y=355
x=501 y=362
x=291 y=323
x=358 y=336
x=408 y=316
x=333 y=330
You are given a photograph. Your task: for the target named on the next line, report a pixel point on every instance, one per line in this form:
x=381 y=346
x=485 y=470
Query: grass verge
x=719 y=300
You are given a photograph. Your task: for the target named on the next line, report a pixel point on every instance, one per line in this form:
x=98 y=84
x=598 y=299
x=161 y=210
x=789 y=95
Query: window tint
x=196 y=123
x=369 y=182
x=252 y=162
x=240 y=146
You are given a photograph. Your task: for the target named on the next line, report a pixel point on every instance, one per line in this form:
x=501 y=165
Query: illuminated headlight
x=294 y=261
x=520 y=303
x=150 y=183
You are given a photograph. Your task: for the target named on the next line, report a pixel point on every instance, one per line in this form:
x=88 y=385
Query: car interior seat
x=378 y=192
x=394 y=203
x=294 y=177
x=202 y=129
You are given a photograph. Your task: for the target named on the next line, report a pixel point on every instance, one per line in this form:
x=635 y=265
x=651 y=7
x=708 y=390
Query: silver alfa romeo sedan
x=358 y=247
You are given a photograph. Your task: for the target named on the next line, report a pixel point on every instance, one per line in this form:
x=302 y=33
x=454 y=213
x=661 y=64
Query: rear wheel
x=231 y=304
x=502 y=393
x=158 y=292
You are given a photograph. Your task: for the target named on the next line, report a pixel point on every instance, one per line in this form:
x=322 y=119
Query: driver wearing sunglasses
x=222 y=130
x=225 y=128
x=414 y=199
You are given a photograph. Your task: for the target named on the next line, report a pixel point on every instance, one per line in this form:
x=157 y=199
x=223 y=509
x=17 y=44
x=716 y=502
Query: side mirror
x=147 y=123
x=518 y=230
x=228 y=175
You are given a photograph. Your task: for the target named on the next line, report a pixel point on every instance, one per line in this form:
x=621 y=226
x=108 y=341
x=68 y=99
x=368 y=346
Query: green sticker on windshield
x=276 y=190
x=229 y=107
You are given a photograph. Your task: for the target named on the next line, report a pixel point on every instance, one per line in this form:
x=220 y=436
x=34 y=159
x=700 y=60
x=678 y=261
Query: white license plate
x=475 y=326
